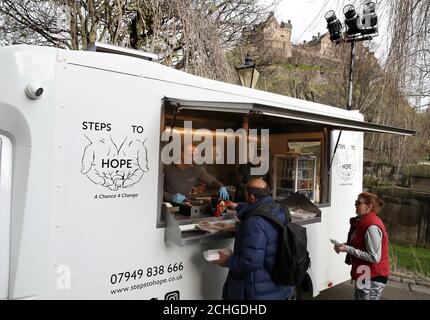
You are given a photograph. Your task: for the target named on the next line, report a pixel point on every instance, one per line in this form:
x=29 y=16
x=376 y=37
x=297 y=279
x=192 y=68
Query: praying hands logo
x=112 y=165
x=346 y=163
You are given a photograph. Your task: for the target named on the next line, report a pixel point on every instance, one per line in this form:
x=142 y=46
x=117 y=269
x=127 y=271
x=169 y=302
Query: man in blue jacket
x=255 y=249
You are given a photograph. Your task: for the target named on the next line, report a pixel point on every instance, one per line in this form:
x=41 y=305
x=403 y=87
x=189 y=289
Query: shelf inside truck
x=303 y=222
x=302 y=210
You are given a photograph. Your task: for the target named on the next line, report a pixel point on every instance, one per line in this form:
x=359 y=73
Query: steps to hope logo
x=114 y=161
x=346 y=162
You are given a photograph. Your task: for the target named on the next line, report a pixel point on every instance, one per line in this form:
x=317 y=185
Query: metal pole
x=172 y=124
x=349 y=102
x=334 y=151
x=252 y=77
x=351 y=76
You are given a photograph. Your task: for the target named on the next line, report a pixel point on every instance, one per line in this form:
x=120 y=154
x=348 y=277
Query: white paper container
x=211 y=255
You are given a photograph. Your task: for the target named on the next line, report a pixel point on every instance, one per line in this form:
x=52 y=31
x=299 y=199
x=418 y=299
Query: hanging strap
x=264 y=211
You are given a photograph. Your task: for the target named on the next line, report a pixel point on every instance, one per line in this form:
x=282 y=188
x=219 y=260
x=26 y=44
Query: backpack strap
x=265 y=211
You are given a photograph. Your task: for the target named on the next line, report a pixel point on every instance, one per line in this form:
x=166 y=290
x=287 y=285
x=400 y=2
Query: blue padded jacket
x=255 y=248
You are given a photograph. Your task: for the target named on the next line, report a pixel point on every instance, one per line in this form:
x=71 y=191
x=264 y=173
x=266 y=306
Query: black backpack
x=292 y=258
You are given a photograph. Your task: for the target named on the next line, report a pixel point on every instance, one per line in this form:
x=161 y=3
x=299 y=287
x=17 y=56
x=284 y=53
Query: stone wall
x=419 y=176
x=406 y=215
x=310 y=56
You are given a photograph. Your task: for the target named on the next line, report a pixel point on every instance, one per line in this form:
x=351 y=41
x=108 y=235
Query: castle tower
x=279 y=35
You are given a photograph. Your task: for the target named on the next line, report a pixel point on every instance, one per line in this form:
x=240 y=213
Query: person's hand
x=340 y=248
x=222 y=193
x=178 y=198
x=223 y=257
x=231 y=205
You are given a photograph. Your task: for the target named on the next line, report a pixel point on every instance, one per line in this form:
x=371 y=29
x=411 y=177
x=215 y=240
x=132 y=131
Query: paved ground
x=393 y=291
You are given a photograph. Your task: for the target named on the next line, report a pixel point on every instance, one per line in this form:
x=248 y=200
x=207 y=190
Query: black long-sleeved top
x=182 y=180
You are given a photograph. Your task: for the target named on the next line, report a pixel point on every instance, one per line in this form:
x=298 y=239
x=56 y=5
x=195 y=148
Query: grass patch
x=307 y=67
x=287 y=66
x=409 y=258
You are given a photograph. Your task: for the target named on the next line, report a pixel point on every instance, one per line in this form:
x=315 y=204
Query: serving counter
x=184 y=230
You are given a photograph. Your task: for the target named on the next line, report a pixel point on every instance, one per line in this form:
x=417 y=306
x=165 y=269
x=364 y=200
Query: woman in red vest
x=367 y=249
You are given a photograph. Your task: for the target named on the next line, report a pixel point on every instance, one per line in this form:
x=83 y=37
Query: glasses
x=358 y=202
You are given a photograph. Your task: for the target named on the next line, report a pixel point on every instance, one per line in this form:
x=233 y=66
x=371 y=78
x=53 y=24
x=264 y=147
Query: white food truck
x=82 y=214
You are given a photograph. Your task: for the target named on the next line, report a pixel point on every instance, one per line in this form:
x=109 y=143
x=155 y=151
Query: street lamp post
x=248 y=73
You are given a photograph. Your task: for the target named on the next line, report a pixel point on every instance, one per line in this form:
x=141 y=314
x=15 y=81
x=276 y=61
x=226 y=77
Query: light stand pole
x=351 y=76
x=356 y=29
x=349 y=95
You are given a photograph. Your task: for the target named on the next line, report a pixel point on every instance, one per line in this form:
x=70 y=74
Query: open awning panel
x=235 y=107
x=337 y=123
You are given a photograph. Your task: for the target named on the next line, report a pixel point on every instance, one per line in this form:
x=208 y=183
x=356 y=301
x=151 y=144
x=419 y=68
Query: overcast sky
x=307 y=18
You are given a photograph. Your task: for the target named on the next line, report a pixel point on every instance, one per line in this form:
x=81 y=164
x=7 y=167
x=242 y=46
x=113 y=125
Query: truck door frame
x=5 y=213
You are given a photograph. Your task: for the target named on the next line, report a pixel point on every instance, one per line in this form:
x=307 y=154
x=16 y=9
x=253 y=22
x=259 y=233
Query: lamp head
x=334 y=27
x=352 y=20
x=370 y=19
x=248 y=73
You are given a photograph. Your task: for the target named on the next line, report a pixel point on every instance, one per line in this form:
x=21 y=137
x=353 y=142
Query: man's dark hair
x=258 y=193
